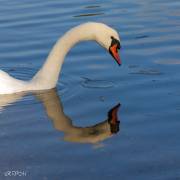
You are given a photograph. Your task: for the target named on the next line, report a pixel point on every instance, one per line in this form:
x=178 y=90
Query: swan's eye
x=115 y=41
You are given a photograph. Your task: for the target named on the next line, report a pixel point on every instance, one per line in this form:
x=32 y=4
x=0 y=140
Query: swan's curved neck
x=49 y=73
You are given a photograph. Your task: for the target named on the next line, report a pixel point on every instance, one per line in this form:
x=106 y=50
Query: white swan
x=47 y=76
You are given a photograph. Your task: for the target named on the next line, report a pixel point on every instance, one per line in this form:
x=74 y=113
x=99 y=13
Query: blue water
x=64 y=133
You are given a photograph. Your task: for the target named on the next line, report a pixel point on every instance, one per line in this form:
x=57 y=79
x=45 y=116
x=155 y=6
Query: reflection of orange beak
x=113 y=119
x=114 y=111
x=114 y=52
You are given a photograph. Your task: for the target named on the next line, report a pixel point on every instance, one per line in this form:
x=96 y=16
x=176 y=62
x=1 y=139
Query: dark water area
x=103 y=121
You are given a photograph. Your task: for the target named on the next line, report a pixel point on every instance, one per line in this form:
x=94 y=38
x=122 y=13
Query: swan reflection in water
x=61 y=122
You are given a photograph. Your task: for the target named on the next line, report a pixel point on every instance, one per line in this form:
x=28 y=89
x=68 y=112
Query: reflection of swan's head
x=72 y=133
x=108 y=38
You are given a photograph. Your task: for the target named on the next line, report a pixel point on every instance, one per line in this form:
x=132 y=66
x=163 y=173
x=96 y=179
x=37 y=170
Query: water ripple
x=147 y=72
x=91 y=83
x=89 y=14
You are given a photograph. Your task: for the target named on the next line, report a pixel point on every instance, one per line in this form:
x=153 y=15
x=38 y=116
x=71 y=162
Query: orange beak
x=114 y=52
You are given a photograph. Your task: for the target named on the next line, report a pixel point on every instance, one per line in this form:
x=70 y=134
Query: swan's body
x=47 y=76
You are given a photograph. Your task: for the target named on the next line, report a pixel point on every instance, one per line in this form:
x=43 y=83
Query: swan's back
x=10 y=85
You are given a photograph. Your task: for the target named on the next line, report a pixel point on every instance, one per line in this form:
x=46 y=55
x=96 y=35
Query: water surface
x=65 y=133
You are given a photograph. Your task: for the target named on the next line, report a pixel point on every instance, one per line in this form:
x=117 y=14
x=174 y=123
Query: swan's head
x=108 y=38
